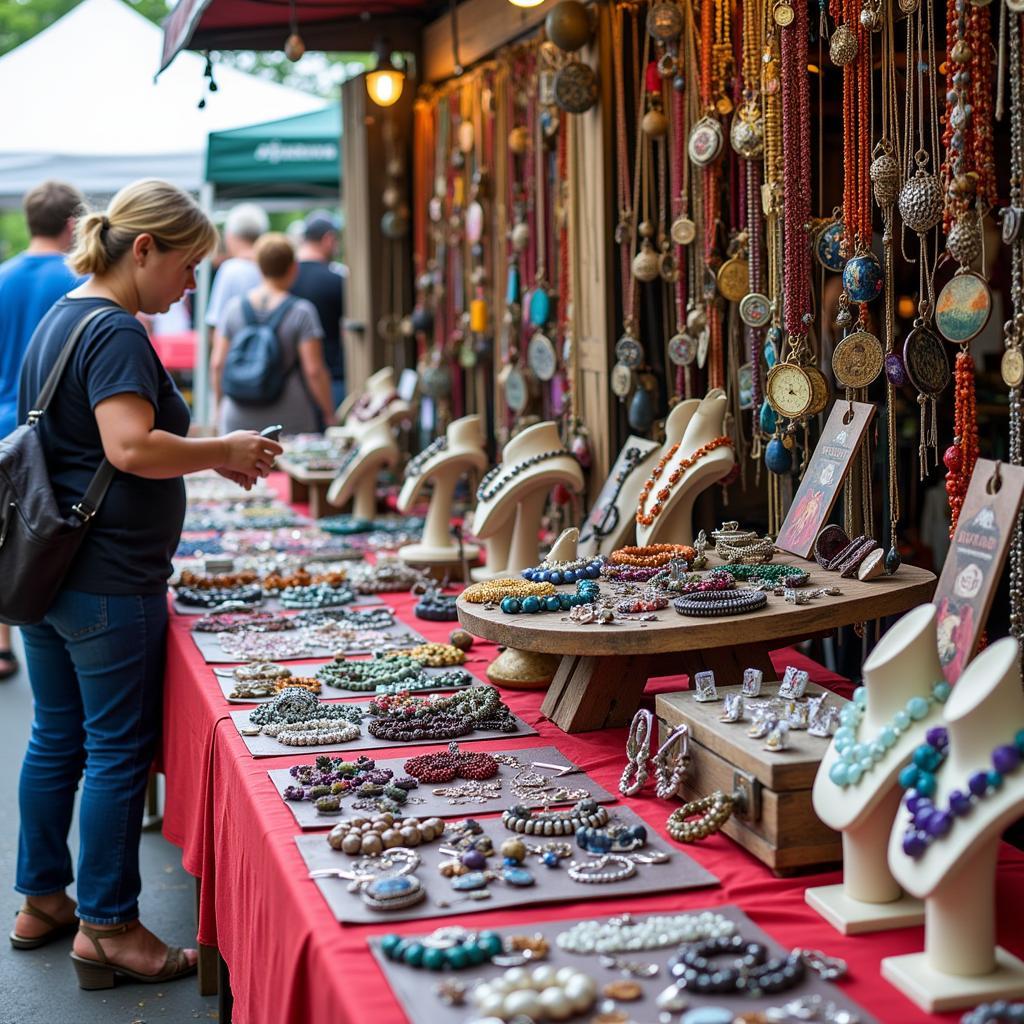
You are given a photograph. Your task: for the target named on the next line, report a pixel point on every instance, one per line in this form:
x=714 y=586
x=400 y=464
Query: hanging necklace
x=857 y=757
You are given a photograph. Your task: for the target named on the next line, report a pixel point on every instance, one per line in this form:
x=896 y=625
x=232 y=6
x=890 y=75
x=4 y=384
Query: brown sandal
x=57 y=929
x=102 y=973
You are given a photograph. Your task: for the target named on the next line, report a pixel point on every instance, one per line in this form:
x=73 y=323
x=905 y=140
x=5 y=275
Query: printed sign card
x=974 y=562
x=828 y=468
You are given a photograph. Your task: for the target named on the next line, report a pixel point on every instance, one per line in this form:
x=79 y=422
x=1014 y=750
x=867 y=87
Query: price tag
x=974 y=562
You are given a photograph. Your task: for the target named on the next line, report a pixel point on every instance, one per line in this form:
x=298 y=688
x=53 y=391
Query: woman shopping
x=267 y=364
x=96 y=660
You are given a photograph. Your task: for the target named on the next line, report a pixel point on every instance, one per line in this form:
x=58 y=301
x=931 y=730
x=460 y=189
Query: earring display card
x=267 y=746
x=227 y=683
x=551 y=885
x=974 y=562
x=833 y=456
x=395 y=638
x=414 y=987
x=573 y=787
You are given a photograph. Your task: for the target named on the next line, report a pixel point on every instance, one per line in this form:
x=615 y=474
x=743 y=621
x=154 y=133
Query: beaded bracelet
x=622 y=934
x=618 y=839
x=587 y=592
x=752 y=973
x=195 y=597
x=369 y=676
x=565 y=572
x=711 y=603
x=433 y=655
x=587 y=813
x=643 y=603
x=652 y=554
x=713 y=812
x=236 y=622
x=692 y=583
x=630 y=573
x=317 y=595
x=456 y=679
x=609 y=867
x=490 y=591
x=776 y=575
x=436 y=607
x=440 y=953
x=450 y=765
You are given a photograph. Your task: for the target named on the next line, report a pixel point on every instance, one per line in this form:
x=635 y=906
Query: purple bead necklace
x=929 y=822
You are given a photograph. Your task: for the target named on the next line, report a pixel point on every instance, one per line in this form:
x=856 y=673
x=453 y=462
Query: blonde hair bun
x=151 y=207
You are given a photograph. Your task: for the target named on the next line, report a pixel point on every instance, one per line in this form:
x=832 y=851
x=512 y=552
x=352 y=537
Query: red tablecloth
x=291 y=962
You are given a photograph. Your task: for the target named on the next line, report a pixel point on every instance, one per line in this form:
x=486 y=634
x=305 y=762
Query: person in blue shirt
x=30 y=283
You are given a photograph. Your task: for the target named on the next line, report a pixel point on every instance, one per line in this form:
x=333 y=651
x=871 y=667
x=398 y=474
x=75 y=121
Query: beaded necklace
x=497 y=479
x=565 y=572
x=414 y=467
x=369 y=675
x=858 y=758
x=929 y=822
x=295 y=706
x=610 y=516
x=647 y=518
x=587 y=592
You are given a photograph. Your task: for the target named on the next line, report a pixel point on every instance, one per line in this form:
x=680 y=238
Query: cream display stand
x=531 y=670
x=961 y=964
x=380 y=384
x=510 y=521
x=358 y=481
x=624 y=531
x=905 y=664
x=464 y=452
x=692 y=427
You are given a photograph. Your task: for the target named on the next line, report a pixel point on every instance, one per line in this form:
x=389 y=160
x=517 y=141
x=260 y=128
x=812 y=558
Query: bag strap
x=249 y=313
x=275 y=318
x=101 y=480
x=53 y=380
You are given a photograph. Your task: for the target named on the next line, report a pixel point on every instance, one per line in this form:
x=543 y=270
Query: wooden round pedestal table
x=604 y=669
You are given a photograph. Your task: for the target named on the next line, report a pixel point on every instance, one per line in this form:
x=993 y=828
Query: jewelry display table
x=306 y=485
x=604 y=668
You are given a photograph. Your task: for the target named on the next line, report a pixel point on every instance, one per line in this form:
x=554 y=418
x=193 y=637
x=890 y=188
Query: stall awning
x=342 y=25
x=294 y=155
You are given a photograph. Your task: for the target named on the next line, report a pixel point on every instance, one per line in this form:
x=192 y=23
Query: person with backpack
x=96 y=656
x=267 y=364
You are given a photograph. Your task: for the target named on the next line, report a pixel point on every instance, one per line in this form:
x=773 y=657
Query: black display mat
x=413 y=987
x=400 y=636
x=438 y=806
x=308 y=668
x=553 y=885
x=273 y=604
x=267 y=746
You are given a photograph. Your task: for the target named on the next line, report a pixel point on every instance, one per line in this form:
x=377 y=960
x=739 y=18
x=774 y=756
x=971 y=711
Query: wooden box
x=773 y=818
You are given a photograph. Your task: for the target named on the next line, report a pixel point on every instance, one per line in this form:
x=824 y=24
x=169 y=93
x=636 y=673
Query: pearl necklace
x=856 y=758
x=626 y=934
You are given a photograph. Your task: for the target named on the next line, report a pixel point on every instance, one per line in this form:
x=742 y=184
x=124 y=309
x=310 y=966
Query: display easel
x=464 y=453
x=510 y=520
x=378 y=387
x=695 y=427
x=905 y=664
x=358 y=480
x=961 y=965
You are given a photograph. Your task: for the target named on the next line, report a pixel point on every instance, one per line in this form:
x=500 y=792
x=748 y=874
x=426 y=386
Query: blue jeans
x=96 y=665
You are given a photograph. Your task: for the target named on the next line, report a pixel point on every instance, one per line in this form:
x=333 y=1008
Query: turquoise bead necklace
x=587 y=592
x=858 y=758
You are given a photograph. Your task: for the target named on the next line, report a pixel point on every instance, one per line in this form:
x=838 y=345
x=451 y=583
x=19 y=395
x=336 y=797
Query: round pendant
x=909 y=6
x=629 y=351
x=665 y=22
x=1012 y=368
x=747 y=133
x=576 y=88
x=703 y=340
x=895 y=371
x=820 y=390
x=541 y=357
x=842 y=47
x=540 y=307
x=696 y=319
x=862 y=278
x=925 y=360
x=783 y=15
x=435 y=382
x=621 y=380
x=682 y=349
x=826 y=246
x=517 y=390
x=646 y=264
x=683 y=231
x=732 y=279
x=921 y=202
x=857 y=360
x=705 y=143
x=789 y=390
x=755 y=309
x=1016 y=6
x=963 y=307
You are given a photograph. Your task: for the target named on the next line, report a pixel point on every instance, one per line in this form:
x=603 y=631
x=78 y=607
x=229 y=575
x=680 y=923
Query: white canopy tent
x=81 y=105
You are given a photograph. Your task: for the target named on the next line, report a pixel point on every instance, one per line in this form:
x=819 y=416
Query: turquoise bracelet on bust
x=858 y=758
x=587 y=592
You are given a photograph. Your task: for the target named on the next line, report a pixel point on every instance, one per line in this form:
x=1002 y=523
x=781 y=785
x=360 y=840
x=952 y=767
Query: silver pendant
x=921 y=202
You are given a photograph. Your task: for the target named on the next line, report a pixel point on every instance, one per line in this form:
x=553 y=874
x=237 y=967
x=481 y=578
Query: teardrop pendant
x=641 y=411
x=892 y=560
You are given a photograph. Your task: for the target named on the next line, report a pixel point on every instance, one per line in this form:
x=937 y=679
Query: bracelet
x=995 y=1013
x=752 y=972
x=587 y=813
x=609 y=867
x=710 y=603
x=627 y=934
x=436 y=607
x=450 y=765
x=652 y=554
x=671 y=762
x=638 y=748
x=565 y=572
x=613 y=839
x=692 y=583
x=492 y=591
x=587 y=592
x=630 y=573
x=713 y=812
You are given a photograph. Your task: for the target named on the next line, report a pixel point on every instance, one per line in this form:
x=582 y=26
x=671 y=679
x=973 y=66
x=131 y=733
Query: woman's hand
x=241 y=479
x=249 y=453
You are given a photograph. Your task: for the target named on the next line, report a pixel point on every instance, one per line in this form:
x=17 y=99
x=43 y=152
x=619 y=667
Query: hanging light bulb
x=385 y=84
x=294 y=46
x=526 y=3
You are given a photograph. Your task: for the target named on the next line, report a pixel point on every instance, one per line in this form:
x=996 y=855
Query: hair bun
x=104 y=223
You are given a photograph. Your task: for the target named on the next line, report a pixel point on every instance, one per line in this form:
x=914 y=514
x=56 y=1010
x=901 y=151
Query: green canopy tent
x=294 y=158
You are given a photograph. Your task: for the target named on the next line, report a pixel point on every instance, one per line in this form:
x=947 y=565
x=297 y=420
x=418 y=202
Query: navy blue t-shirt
x=128 y=547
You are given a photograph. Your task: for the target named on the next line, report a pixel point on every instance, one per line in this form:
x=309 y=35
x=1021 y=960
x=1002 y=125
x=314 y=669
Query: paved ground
x=39 y=987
